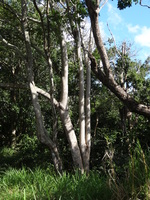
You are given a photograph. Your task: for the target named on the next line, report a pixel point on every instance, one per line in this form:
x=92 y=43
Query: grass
x=29 y=182
x=43 y=185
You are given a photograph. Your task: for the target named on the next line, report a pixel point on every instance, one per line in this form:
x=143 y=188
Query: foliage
x=122 y=4
x=15 y=107
x=138 y=173
x=28 y=152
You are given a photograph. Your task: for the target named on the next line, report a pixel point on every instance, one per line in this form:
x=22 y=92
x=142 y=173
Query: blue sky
x=131 y=25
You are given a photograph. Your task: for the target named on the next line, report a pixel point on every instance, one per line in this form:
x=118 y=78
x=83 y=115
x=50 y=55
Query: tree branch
x=34 y=20
x=103 y=4
x=26 y=87
x=114 y=41
x=144 y=5
x=11 y=10
x=47 y=95
x=108 y=79
x=6 y=43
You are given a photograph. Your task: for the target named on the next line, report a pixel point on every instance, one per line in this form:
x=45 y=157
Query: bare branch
x=47 y=95
x=63 y=5
x=16 y=49
x=39 y=51
x=26 y=87
x=105 y=1
x=144 y=5
x=113 y=40
x=34 y=20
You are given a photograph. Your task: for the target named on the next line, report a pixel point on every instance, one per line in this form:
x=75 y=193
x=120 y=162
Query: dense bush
x=28 y=152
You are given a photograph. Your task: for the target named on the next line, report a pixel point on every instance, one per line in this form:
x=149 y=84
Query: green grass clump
x=25 y=184
x=82 y=187
x=42 y=184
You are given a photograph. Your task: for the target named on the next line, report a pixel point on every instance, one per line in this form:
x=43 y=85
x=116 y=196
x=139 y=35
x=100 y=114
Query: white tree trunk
x=88 y=114
x=81 y=93
x=41 y=132
x=64 y=113
x=72 y=139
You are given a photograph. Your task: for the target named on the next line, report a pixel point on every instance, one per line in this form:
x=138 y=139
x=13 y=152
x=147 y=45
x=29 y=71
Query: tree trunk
x=64 y=113
x=81 y=96
x=88 y=115
x=72 y=139
x=41 y=132
x=84 y=126
x=123 y=117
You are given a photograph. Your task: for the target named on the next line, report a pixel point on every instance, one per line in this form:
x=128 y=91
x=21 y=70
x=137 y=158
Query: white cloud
x=87 y=26
x=103 y=34
x=110 y=7
x=146 y=54
x=133 y=29
x=143 y=54
x=113 y=15
x=144 y=37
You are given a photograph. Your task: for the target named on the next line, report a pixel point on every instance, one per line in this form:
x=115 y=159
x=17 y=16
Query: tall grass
x=39 y=184
x=135 y=182
x=138 y=176
x=44 y=184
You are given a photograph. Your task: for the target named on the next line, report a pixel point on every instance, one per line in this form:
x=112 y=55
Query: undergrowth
x=37 y=181
x=43 y=184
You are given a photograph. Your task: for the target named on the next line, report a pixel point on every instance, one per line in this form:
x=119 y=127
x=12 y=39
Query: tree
x=84 y=117
x=105 y=75
x=38 y=40
x=36 y=26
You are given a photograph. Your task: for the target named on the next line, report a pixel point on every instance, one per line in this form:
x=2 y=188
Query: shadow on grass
x=27 y=157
